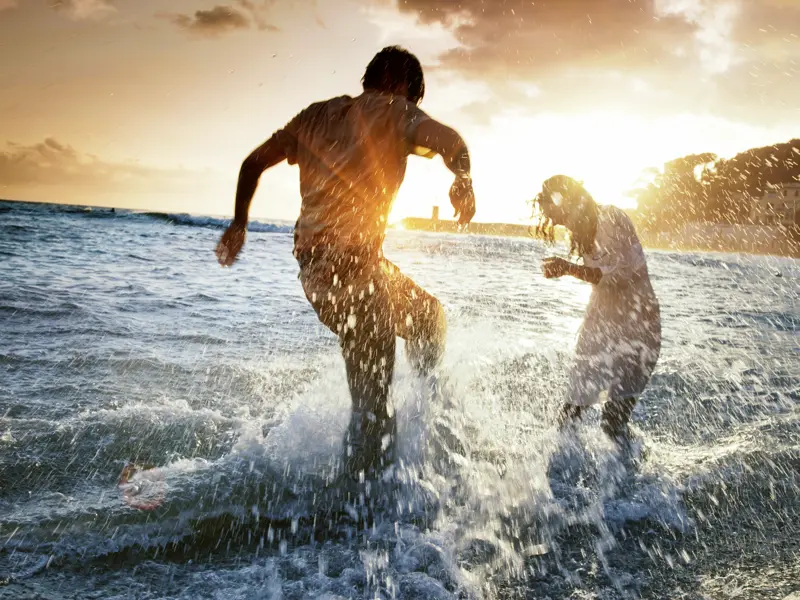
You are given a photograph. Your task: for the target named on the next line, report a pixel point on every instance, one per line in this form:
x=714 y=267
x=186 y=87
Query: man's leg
x=569 y=414
x=419 y=320
x=353 y=301
x=368 y=347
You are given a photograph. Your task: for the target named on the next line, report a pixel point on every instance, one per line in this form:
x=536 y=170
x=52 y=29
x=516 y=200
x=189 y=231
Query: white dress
x=620 y=339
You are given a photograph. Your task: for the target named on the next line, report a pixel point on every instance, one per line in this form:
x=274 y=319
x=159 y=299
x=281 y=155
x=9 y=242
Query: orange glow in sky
x=127 y=103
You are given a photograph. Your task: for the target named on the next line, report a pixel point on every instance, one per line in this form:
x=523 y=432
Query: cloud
x=763 y=21
x=54 y=163
x=222 y=19
x=714 y=22
x=54 y=171
x=402 y=28
x=213 y=22
x=645 y=55
x=531 y=38
x=258 y=13
x=85 y=9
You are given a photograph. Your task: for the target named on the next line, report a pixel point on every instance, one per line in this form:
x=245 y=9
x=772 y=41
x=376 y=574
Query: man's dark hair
x=393 y=66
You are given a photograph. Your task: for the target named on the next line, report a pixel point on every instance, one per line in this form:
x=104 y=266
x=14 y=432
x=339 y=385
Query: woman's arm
x=555 y=266
x=588 y=274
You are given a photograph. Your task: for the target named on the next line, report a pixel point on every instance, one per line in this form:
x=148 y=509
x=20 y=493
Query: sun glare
x=607 y=150
x=511 y=157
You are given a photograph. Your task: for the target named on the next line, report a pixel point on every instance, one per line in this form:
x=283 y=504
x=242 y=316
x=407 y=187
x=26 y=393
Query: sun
x=512 y=158
x=605 y=149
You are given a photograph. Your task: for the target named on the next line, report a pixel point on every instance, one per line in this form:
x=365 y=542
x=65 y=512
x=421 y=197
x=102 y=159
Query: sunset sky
x=153 y=104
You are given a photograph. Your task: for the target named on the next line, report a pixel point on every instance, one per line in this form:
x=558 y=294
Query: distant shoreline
x=750 y=239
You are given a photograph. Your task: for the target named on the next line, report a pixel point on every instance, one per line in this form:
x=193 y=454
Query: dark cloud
x=683 y=54
x=52 y=162
x=523 y=38
x=85 y=9
x=53 y=171
x=222 y=19
x=210 y=23
x=534 y=36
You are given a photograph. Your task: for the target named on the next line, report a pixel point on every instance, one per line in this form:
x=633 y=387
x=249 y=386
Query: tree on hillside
x=703 y=187
x=675 y=194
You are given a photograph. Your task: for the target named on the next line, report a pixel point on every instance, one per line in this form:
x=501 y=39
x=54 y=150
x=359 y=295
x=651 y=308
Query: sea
x=169 y=429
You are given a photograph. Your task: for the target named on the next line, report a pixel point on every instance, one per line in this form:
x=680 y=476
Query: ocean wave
x=76 y=209
x=100 y=212
x=58 y=309
x=14 y=227
x=215 y=222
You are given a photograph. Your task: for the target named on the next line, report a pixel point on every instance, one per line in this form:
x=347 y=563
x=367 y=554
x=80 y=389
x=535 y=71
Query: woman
x=620 y=339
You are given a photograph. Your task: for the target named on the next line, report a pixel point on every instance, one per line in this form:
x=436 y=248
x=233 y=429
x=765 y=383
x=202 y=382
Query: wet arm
x=622 y=258
x=588 y=274
x=447 y=143
x=269 y=154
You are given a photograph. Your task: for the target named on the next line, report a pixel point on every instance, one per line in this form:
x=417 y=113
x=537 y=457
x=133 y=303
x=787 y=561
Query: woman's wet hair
x=544 y=229
x=394 y=66
x=573 y=196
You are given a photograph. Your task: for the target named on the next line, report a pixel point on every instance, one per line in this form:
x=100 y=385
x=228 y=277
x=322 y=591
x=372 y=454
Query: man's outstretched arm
x=446 y=142
x=269 y=154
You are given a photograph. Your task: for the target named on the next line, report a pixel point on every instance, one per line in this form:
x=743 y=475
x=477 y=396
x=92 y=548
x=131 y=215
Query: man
x=352 y=156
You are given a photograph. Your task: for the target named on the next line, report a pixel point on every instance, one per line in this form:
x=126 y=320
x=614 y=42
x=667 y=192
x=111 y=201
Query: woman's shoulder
x=612 y=211
x=613 y=216
x=614 y=226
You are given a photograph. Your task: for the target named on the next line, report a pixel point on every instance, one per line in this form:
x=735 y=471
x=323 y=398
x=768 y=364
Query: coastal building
x=779 y=206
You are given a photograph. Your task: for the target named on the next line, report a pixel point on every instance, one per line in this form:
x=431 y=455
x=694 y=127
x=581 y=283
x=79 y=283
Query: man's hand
x=231 y=243
x=462 y=197
x=451 y=147
x=554 y=267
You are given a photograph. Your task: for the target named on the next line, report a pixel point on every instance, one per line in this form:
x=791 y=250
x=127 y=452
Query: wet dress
x=619 y=341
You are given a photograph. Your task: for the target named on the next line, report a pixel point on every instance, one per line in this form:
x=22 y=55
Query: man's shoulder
x=330 y=102
x=367 y=104
x=318 y=111
x=371 y=101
